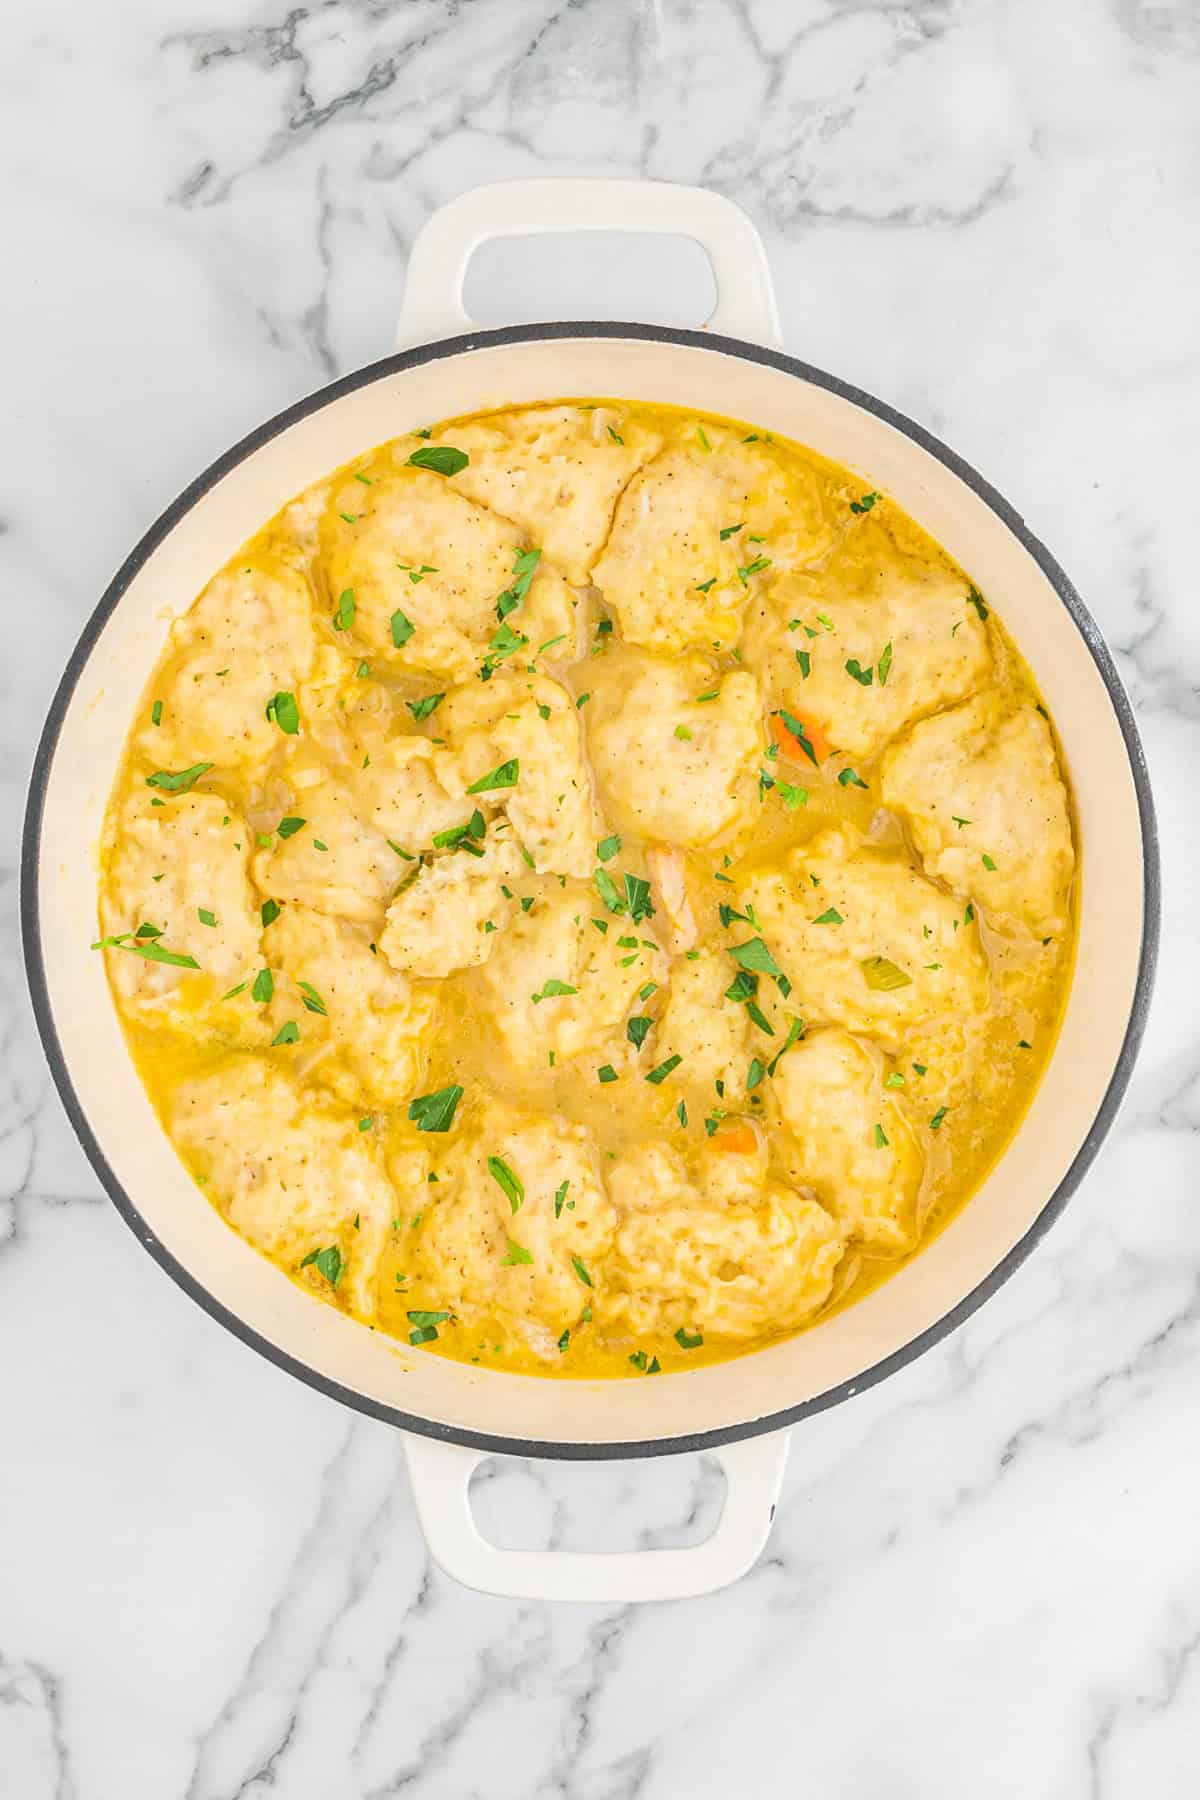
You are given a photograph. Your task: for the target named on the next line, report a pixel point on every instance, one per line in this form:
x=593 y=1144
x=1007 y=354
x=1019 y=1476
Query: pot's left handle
x=441 y=1481
x=437 y=264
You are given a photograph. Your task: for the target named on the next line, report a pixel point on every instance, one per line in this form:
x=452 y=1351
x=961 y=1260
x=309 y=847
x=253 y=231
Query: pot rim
x=35 y=962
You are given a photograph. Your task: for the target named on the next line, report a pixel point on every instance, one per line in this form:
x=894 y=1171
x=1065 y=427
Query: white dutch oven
x=455 y=1415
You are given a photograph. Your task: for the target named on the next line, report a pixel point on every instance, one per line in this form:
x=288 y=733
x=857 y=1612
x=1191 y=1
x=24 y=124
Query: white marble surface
x=985 y=1575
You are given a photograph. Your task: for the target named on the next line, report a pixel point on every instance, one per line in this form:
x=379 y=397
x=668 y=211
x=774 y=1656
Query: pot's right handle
x=441 y=1473
x=437 y=264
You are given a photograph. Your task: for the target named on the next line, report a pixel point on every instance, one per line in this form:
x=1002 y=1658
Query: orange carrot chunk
x=738 y=1137
x=807 y=744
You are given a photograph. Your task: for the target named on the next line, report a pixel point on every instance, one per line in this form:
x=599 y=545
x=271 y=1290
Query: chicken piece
x=516 y=1227
x=342 y=997
x=450 y=916
x=709 y=1032
x=867 y=942
x=696 y=529
x=249 y=636
x=981 y=791
x=360 y=835
x=290 y=1171
x=180 y=867
x=730 y=1271
x=533 y=722
x=556 y=947
x=668 y=884
x=852 y=1142
x=868 y=645
x=555 y=471
x=426 y=569
x=673 y=748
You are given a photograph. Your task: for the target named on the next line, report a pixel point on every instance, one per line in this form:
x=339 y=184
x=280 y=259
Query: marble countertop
x=985 y=1574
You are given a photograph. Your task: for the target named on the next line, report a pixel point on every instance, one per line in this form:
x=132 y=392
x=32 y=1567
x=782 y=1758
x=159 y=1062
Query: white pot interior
x=486 y=1402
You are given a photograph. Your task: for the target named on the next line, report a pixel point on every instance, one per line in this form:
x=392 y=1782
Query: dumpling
x=726 y=1271
x=181 y=869
x=449 y=916
x=359 y=835
x=695 y=529
x=981 y=791
x=557 y=983
x=555 y=471
x=426 y=567
x=248 y=637
x=337 y=993
x=851 y=1141
x=531 y=721
x=866 y=646
x=290 y=1171
x=673 y=748
x=516 y=1227
x=865 y=941
x=708 y=1032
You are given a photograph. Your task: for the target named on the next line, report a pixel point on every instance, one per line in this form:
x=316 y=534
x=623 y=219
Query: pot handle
x=441 y=1473
x=437 y=263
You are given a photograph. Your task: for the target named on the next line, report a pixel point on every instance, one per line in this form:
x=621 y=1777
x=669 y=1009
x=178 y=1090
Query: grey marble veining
x=985 y=1574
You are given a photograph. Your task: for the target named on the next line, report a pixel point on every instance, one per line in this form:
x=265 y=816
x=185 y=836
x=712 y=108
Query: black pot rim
x=501 y=1443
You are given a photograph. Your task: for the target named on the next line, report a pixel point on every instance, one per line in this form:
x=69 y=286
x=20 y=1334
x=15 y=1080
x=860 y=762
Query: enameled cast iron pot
x=455 y=1414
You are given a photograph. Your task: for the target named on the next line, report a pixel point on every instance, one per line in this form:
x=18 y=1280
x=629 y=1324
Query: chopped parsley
x=508 y=1181
x=283 y=711
x=402 y=629
x=580 y=1268
x=458 y=837
x=797 y=730
x=312 y=1000
x=606 y=1073
x=935 y=1124
x=552 y=990
x=831 y=916
x=881 y=1138
x=505 y=775
x=269 y=912
x=976 y=599
x=864 y=503
x=753 y=954
x=989 y=864
x=435 y=1112
x=421 y=709
x=637 y=1028
x=659 y=1074
x=343 y=615
x=608 y=847
x=156 y=713
x=143 y=943
x=688 y=1340
x=884 y=664
x=442 y=459
x=327 y=1262
x=264 y=987
x=290 y=826
x=805 y=661
x=205 y=917
x=560 y=1195
x=864 y=677
x=848 y=778
x=287 y=1034
x=178 y=783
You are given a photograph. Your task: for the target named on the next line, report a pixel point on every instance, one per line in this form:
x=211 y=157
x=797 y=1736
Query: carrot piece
x=738 y=1137
x=791 y=745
